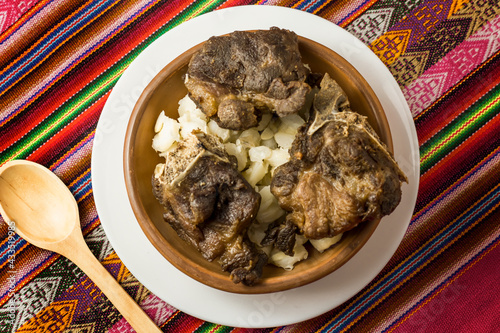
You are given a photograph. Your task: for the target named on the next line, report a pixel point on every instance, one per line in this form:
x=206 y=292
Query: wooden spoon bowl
x=45 y=213
x=163 y=93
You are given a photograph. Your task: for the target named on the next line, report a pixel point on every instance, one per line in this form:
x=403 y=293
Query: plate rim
x=102 y=189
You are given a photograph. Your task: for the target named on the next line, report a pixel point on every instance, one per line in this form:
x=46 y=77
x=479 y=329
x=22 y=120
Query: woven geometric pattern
x=59 y=60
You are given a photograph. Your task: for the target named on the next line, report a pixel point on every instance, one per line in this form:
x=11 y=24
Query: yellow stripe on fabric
x=457 y=85
x=39 y=62
x=76 y=63
x=36 y=138
x=70 y=152
x=175 y=314
x=199 y=10
x=469 y=122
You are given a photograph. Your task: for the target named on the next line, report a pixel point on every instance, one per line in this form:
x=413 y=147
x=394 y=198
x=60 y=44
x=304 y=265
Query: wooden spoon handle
x=80 y=254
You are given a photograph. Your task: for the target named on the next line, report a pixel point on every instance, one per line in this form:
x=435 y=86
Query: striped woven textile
x=59 y=60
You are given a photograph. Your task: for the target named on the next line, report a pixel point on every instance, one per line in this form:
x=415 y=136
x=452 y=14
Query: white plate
x=188 y=295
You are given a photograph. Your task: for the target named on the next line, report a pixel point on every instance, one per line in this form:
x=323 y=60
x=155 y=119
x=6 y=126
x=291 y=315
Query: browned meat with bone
x=210 y=205
x=236 y=77
x=339 y=173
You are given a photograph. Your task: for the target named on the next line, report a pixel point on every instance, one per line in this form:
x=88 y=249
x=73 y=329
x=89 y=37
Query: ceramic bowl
x=163 y=93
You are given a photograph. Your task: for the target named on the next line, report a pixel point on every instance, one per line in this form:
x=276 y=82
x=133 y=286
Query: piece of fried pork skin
x=237 y=77
x=210 y=205
x=339 y=175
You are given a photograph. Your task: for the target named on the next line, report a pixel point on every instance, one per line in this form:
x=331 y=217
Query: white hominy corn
x=291 y=123
x=322 y=244
x=168 y=133
x=249 y=138
x=271 y=143
x=280 y=259
x=239 y=152
x=215 y=129
x=269 y=210
x=264 y=121
x=259 y=153
x=267 y=134
x=284 y=139
x=278 y=157
x=159 y=122
x=187 y=106
x=255 y=172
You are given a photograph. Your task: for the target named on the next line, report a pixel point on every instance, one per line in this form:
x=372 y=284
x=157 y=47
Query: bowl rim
x=222 y=281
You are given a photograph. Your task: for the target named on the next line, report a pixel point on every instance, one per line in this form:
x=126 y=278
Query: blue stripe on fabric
x=445 y=281
x=15 y=245
x=352 y=11
x=82 y=186
x=51 y=42
x=26 y=21
x=478 y=210
x=35 y=268
x=455 y=186
x=77 y=60
x=310 y=6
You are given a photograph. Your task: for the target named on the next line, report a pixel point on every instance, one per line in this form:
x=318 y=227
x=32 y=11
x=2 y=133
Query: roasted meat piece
x=339 y=174
x=210 y=205
x=236 y=77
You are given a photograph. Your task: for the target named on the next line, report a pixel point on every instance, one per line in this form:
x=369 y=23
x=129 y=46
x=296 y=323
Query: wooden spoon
x=45 y=214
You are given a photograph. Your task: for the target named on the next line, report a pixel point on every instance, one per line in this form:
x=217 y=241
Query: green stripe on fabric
x=207 y=327
x=94 y=90
x=193 y=10
x=459 y=129
x=59 y=119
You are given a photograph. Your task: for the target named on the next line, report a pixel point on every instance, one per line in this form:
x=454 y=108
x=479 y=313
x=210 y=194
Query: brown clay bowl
x=163 y=93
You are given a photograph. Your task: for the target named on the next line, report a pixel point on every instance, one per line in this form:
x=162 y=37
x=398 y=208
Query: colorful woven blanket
x=59 y=60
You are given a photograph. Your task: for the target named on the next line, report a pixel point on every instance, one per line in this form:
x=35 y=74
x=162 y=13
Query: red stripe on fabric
x=43 y=48
x=429 y=122
x=182 y=322
x=28 y=255
x=459 y=129
x=232 y=3
x=447 y=308
x=81 y=76
x=458 y=161
x=59 y=142
x=352 y=16
x=23 y=19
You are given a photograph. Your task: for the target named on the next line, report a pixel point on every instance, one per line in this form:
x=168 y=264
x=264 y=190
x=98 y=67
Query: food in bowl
x=237 y=77
x=213 y=190
x=339 y=175
x=210 y=204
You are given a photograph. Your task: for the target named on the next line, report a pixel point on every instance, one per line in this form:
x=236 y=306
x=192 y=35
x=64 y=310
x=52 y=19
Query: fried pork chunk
x=340 y=174
x=210 y=205
x=236 y=77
